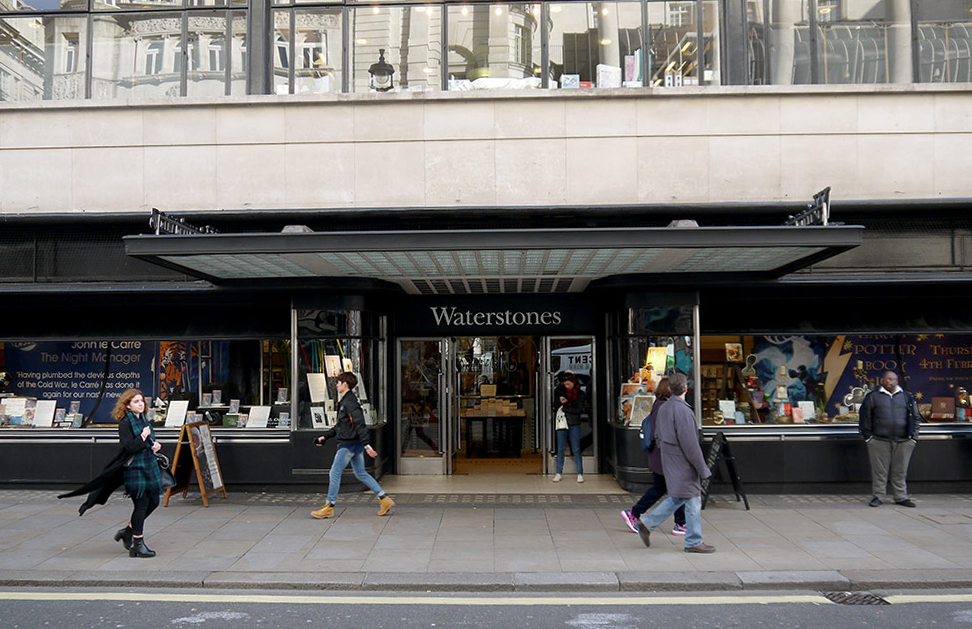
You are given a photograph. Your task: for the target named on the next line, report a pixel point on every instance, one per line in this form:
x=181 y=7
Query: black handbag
x=168 y=481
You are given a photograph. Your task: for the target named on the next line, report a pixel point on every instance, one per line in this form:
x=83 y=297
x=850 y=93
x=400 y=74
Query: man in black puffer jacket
x=889 y=422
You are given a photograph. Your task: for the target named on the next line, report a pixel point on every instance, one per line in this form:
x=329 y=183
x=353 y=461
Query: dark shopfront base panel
x=832 y=466
x=246 y=465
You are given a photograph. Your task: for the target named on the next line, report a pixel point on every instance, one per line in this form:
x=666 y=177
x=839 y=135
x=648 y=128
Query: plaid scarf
x=143 y=474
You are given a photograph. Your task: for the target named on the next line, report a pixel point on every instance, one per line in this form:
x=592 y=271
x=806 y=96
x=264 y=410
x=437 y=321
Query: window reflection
x=944 y=42
x=41 y=58
x=411 y=38
x=675 y=58
x=835 y=42
x=586 y=36
x=494 y=46
x=316 y=51
x=130 y=59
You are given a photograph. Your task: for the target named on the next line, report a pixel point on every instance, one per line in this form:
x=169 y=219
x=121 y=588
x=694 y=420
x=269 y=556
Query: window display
x=72 y=384
x=658 y=342
x=330 y=342
x=789 y=379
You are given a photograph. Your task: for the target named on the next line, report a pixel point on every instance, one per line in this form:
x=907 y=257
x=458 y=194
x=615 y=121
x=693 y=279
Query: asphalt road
x=147 y=609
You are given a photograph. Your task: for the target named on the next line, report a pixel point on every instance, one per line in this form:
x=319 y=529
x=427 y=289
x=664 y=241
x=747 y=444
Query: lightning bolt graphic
x=834 y=365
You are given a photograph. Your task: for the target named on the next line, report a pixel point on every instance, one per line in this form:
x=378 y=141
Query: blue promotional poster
x=84 y=371
x=74 y=372
x=836 y=372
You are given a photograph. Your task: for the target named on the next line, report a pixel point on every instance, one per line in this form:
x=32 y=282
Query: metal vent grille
x=465 y=286
x=855 y=598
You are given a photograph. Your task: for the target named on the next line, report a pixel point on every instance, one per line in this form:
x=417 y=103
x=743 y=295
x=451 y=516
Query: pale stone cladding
x=482 y=149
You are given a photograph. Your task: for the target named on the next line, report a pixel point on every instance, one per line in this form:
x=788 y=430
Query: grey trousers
x=890 y=458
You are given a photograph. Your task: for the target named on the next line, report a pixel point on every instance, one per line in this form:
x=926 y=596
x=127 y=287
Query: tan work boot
x=324 y=512
x=386 y=505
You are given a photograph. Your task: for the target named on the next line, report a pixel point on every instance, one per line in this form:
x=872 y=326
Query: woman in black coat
x=134 y=466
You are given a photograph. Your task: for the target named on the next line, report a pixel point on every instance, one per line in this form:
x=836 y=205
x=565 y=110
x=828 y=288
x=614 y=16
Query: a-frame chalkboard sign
x=195 y=452
x=720 y=450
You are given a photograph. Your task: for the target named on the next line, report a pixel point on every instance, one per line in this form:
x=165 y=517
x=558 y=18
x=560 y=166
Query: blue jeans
x=342 y=457
x=574 y=447
x=650 y=497
x=693 y=517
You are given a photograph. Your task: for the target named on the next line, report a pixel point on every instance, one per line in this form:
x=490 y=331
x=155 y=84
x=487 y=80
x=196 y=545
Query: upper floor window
x=680 y=13
x=153 y=57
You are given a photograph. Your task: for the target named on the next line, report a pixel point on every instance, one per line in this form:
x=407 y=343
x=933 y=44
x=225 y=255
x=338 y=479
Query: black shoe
x=905 y=503
x=139 y=549
x=644 y=533
x=875 y=502
x=125 y=537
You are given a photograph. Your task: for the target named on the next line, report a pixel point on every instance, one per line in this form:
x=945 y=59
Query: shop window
x=330 y=342
x=74 y=384
x=798 y=380
x=652 y=344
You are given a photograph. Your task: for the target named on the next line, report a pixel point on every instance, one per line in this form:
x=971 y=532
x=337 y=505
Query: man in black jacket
x=889 y=422
x=352 y=436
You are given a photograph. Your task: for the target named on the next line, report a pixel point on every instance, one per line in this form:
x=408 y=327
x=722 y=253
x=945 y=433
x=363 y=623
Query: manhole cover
x=855 y=598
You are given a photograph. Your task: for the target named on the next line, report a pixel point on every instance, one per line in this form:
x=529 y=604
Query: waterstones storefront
x=459 y=339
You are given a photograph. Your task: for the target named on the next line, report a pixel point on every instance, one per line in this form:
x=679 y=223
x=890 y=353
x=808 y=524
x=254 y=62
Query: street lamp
x=381 y=73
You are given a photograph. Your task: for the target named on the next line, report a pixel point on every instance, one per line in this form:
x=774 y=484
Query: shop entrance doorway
x=475 y=404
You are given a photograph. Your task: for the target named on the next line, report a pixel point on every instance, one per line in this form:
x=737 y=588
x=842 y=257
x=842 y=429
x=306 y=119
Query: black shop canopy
x=492 y=261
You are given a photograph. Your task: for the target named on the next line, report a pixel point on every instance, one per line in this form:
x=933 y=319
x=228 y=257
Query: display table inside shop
x=498 y=421
x=501 y=434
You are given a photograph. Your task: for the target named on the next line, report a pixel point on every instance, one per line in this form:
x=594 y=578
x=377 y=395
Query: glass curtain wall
x=124 y=49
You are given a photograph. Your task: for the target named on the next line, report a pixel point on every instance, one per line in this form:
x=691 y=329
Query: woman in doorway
x=569 y=398
x=658 y=487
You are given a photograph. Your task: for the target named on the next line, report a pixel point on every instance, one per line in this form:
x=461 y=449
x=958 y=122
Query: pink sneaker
x=678 y=530
x=629 y=520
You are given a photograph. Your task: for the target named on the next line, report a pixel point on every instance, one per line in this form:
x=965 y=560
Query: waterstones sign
x=453 y=317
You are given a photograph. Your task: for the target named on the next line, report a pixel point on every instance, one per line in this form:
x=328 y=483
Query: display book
x=320 y=385
x=30 y=412
x=637 y=395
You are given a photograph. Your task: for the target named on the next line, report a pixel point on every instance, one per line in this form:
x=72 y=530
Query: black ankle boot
x=125 y=537
x=139 y=549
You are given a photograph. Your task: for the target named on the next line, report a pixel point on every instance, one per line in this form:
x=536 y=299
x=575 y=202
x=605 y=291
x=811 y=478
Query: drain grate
x=855 y=598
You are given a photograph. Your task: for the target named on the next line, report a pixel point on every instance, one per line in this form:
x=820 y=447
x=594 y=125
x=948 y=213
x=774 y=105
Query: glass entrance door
x=468 y=405
x=495 y=421
x=423 y=406
x=563 y=356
